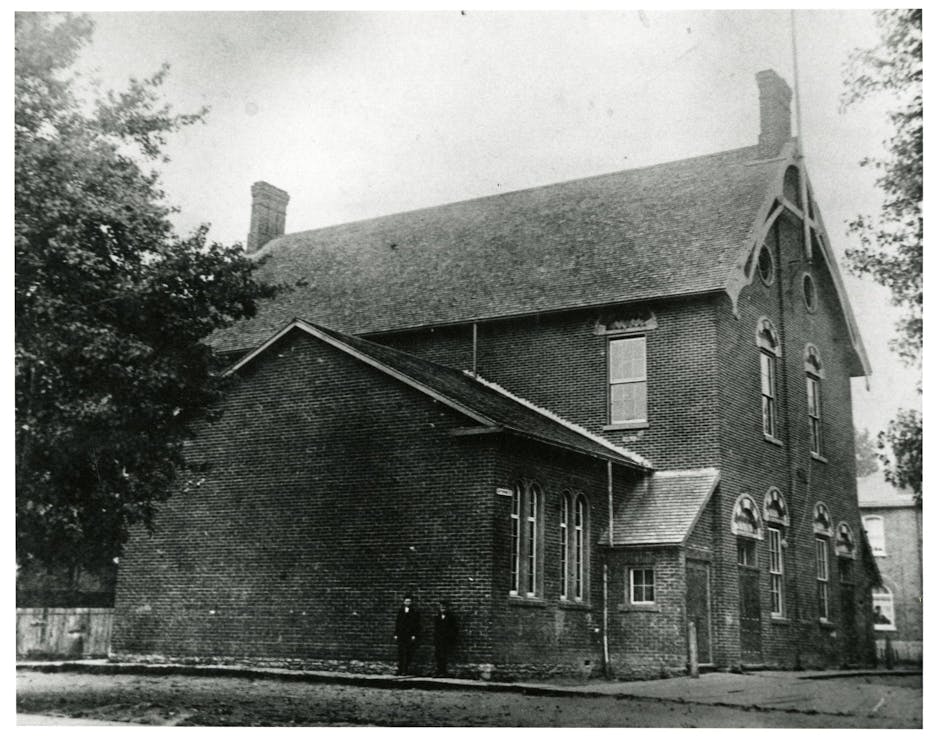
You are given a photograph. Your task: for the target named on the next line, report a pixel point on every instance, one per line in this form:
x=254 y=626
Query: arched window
x=883 y=609
x=526 y=510
x=746 y=521
x=581 y=547
x=766 y=266
x=813 y=369
x=769 y=350
x=574 y=547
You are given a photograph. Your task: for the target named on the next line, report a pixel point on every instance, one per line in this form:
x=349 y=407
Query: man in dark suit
x=406 y=631
x=445 y=631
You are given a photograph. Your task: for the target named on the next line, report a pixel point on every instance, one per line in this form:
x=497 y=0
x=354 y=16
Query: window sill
x=780 y=620
x=631 y=425
x=884 y=627
x=818 y=457
x=570 y=605
x=772 y=440
x=644 y=608
x=523 y=600
x=825 y=623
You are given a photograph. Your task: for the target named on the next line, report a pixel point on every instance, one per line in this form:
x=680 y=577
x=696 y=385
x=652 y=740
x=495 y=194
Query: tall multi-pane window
x=813 y=415
x=526 y=510
x=776 y=573
x=580 y=548
x=813 y=367
x=628 y=380
x=769 y=351
x=767 y=376
x=516 y=506
x=532 y=537
x=823 y=578
x=563 y=547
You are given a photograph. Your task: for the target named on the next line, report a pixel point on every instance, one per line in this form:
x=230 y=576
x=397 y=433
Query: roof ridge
x=600 y=440
x=473 y=199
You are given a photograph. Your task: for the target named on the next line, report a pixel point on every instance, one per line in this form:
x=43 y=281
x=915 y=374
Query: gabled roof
x=875 y=491
x=663 y=508
x=492 y=408
x=678 y=228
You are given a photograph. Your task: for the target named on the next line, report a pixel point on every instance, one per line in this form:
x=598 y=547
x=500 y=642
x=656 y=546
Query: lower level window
x=882 y=609
x=642 y=585
x=776 y=573
x=823 y=578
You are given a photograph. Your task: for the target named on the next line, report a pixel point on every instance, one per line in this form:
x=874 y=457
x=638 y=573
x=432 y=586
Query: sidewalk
x=867 y=693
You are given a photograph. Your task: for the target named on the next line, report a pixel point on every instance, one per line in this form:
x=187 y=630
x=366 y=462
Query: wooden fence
x=63 y=632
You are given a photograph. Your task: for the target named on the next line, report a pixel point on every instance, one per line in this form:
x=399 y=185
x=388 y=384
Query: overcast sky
x=361 y=114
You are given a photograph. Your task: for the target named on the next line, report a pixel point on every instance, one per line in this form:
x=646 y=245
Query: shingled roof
x=663 y=508
x=673 y=229
x=490 y=406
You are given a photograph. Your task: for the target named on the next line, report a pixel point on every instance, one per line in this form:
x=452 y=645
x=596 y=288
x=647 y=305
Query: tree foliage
x=866 y=455
x=890 y=248
x=112 y=307
x=904 y=440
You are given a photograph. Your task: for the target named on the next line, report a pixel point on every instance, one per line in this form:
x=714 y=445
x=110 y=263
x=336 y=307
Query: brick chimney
x=269 y=208
x=774 y=113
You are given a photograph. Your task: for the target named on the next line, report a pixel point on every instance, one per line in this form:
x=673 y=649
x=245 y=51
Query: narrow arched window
x=769 y=350
x=813 y=370
x=516 y=506
x=532 y=539
x=581 y=547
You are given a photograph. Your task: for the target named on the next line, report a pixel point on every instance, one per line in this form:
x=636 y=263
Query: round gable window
x=810 y=293
x=766 y=268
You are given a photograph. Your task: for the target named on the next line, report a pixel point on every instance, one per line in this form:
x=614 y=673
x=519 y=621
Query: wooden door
x=697 y=606
x=750 y=616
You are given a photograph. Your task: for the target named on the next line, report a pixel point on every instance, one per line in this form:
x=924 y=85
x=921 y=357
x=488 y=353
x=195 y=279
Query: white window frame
x=516 y=510
x=768 y=370
x=815 y=414
x=532 y=541
x=876 y=539
x=645 y=585
x=776 y=572
x=822 y=560
x=580 y=525
x=614 y=380
x=883 y=598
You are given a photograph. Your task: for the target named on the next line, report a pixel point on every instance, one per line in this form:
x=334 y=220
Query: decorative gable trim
x=620 y=322
x=773 y=205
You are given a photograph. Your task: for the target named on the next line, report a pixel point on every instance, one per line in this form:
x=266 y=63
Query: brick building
x=893 y=523
x=588 y=414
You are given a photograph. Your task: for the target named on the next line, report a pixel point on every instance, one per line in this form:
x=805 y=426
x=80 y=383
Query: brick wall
x=751 y=463
x=323 y=492
x=558 y=362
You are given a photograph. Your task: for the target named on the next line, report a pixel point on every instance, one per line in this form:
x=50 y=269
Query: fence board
x=63 y=632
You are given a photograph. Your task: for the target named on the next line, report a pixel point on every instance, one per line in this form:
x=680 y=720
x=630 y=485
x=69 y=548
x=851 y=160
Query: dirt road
x=223 y=701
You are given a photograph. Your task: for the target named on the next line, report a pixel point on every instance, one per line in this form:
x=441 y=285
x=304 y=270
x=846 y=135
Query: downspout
x=474 y=348
x=610 y=542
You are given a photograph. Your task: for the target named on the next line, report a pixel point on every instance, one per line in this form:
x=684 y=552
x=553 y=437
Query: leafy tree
x=866 y=455
x=112 y=307
x=890 y=248
x=904 y=439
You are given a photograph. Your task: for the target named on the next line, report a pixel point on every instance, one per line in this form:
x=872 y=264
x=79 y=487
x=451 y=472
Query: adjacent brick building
x=588 y=414
x=894 y=525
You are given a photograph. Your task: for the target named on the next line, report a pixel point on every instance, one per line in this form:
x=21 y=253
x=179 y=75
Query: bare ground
x=223 y=701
